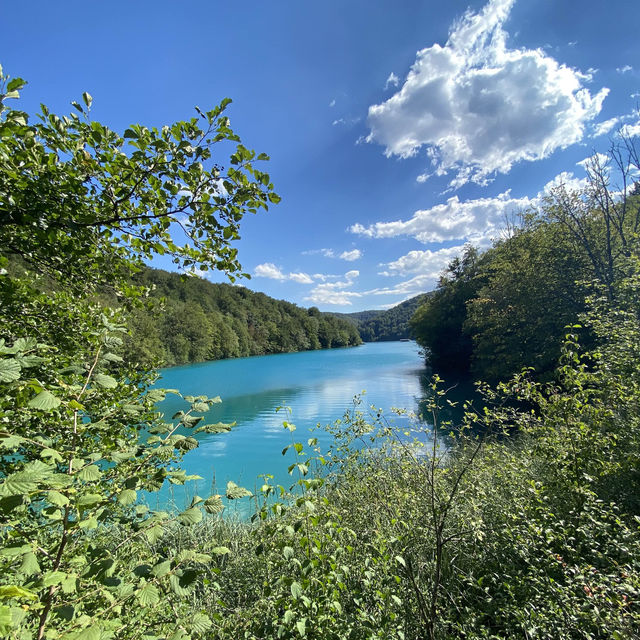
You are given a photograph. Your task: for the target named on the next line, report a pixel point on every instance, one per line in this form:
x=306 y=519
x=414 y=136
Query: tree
x=80 y=200
x=80 y=435
x=603 y=218
x=439 y=323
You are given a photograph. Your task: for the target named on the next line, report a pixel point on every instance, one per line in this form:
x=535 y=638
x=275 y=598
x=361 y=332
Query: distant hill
x=392 y=324
x=200 y=320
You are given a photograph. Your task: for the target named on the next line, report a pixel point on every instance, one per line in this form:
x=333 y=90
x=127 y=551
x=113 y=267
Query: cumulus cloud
x=269 y=270
x=350 y=256
x=392 y=81
x=335 y=293
x=480 y=107
x=624 y=69
x=426 y=263
x=475 y=221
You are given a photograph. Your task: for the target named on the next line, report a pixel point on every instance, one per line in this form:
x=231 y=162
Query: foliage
x=422 y=534
x=439 y=323
x=494 y=314
x=391 y=324
x=201 y=320
x=81 y=443
x=81 y=201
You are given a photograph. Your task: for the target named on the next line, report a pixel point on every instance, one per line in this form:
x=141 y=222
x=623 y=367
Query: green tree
x=80 y=437
x=439 y=323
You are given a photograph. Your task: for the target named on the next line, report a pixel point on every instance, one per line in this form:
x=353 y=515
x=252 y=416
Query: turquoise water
x=317 y=386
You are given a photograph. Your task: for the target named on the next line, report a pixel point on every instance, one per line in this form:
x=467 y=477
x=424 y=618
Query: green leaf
x=13 y=591
x=148 y=595
x=89 y=499
x=90 y=473
x=29 y=564
x=234 y=492
x=105 y=381
x=57 y=498
x=213 y=504
x=190 y=516
x=86 y=97
x=51 y=454
x=301 y=625
x=296 y=590
x=19 y=483
x=44 y=401
x=220 y=551
x=200 y=622
x=161 y=569
x=127 y=496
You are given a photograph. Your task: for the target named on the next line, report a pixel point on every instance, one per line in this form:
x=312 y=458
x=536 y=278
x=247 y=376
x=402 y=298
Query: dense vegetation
x=199 y=320
x=525 y=525
x=391 y=324
x=496 y=312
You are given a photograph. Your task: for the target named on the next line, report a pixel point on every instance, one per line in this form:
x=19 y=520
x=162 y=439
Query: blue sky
x=398 y=131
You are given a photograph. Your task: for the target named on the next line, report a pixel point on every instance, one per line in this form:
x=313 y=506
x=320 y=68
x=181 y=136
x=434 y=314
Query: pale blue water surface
x=317 y=386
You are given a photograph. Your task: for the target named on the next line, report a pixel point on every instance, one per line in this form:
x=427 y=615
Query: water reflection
x=318 y=387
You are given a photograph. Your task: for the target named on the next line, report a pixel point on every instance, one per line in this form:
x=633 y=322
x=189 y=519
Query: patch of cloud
x=602 y=128
x=347 y=122
x=350 y=256
x=332 y=103
x=476 y=221
x=269 y=270
x=480 y=107
x=335 y=293
x=625 y=69
x=392 y=81
x=428 y=263
x=408 y=288
x=301 y=277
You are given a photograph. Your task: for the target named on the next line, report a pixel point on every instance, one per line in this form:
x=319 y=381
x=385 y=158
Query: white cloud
x=408 y=288
x=269 y=270
x=302 y=278
x=392 y=81
x=630 y=130
x=624 y=69
x=347 y=122
x=475 y=221
x=332 y=103
x=335 y=293
x=601 y=128
x=427 y=263
x=350 y=256
x=479 y=106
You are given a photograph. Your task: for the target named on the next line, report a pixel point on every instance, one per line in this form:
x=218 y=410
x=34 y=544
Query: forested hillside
x=498 y=311
x=198 y=320
x=391 y=324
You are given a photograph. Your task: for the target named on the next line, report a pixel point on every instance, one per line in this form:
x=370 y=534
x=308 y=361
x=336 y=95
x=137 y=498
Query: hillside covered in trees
x=389 y=324
x=495 y=312
x=196 y=320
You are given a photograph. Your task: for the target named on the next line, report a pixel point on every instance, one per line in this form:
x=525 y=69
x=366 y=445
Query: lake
x=317 y=386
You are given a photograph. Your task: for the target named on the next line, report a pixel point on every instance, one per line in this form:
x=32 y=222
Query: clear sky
x=398 y=130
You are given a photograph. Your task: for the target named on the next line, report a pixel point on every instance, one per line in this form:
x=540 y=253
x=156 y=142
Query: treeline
x=498 y=311
x=197 y=320
x=392 y=324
